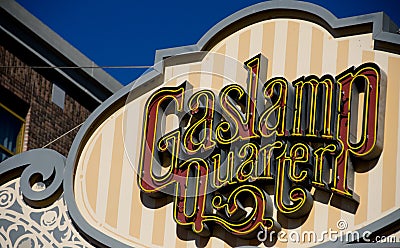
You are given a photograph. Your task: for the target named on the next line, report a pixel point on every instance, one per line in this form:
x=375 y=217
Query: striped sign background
x=105 y=186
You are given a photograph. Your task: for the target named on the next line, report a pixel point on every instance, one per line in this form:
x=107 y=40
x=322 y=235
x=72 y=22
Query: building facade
x=278 y=128
x=40 y=102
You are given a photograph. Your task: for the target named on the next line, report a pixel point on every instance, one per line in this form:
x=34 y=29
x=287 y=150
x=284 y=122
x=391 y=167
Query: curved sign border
x=247 y=16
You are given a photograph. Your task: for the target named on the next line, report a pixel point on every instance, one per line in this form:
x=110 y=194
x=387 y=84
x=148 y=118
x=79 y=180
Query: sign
x=229 y=148
x=280 y=123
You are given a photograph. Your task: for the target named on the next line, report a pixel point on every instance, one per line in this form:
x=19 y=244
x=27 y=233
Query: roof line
x=56 y=42
x=382 y=27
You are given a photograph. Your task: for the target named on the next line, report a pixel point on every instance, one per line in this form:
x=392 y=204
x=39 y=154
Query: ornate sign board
x=281 y=121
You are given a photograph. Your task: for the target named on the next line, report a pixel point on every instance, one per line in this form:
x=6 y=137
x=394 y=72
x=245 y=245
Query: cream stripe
x=330 y=52
x=128 y=167
x=292 y=47
x=395 y=66
x=217 y=243
x=168 y=73
x=104 y=170
x=125 y=197
x=171 y=81
x=376 y=174
x=190 y=243
x=170 y=226
x=278 y=68
x=256 y=36
x=231 y=62
x=353 y=58
x=321 y=209
x=139 y=214
x=160 y=214
x=291 y=63
x=391 y=134
x=397 y=235
x=356 y=47
x=334 y=214
x=242 y=73
x=218 y=68
x=317 y=44
x=361 y=188
x=304 y=51
x=349 y=218
x=181 y=73
x=136 y=212
x=328 y=67
x=133 y=137
x=255 y=40
x=303 y=60
x=147 y=225
x=206 y=69
x=374 y=193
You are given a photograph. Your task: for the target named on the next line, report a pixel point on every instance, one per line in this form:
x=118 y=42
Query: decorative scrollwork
x=7 y=198
x=22 y=223
x=40 y=165
x=24 y=226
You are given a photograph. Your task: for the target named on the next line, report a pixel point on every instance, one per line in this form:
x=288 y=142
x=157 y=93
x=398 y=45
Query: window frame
x=20 y=136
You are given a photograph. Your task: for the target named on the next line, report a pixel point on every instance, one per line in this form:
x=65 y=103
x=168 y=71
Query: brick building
x=39 y=104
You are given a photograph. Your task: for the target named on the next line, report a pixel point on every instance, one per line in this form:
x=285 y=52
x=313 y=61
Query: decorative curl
x=38 y=165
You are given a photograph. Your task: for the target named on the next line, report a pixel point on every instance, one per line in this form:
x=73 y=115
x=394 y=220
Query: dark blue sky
x=126 y=32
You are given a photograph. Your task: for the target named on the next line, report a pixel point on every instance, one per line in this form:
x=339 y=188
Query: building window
x=58 y=96
x=11 y=132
